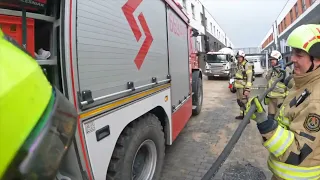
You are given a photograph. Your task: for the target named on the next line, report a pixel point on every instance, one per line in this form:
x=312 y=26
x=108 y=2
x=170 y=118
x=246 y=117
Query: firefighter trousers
x=273 y=105
x=241 y=100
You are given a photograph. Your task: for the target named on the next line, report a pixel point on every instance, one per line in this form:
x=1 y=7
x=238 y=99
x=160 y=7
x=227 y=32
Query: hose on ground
x=236 y=135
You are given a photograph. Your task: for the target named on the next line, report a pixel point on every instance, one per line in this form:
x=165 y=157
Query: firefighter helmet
x=30 y=109
x=275 y=55
x=306 y=37
x=22 y=83
x=240 y=53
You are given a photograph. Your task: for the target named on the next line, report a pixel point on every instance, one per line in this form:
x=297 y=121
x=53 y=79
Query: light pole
x=267 y=61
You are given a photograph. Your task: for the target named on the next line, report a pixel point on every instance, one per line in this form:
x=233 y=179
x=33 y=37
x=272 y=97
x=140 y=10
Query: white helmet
x=240 y=53
x=275 y=55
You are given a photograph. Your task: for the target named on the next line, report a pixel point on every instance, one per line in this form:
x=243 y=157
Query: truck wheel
x=139 y=151
x=197 y=97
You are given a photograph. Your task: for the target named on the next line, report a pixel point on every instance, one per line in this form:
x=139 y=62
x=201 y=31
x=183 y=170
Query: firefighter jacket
x=293 y=138
x=244 y=75
x=281 y=89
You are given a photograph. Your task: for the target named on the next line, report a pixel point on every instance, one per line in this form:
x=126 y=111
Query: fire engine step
x=243 y=172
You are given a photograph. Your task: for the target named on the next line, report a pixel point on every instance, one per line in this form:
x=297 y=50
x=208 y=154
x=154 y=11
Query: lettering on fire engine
x=176 y=26
x=39 y=3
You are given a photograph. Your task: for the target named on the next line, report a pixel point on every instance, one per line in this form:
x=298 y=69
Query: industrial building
x=204 y=22
x=294 y=14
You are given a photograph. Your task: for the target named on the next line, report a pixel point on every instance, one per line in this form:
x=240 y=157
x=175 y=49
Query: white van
x=256 y=61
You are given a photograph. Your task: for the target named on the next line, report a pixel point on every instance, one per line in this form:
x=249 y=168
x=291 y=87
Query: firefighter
x=243 y=82
x=37 y=122
x=275 y=98
x=293 y=137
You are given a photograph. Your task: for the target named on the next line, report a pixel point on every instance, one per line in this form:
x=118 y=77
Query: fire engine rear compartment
x=42 y=32
x=107 y=47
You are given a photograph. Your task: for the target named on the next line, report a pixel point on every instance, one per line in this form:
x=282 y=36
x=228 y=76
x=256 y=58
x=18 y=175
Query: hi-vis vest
x=244 y=76
x=280 y=90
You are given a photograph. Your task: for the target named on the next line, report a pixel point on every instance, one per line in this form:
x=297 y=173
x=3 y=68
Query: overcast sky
x=246 y=22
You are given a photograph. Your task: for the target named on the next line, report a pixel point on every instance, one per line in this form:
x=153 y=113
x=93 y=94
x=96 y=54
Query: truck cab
x=219 y=64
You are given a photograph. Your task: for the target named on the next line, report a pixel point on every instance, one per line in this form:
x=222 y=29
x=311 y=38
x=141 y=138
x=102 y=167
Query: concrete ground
x=206 y=135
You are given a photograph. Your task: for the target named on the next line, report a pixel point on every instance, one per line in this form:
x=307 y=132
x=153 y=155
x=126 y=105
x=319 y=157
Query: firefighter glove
x=260 y=115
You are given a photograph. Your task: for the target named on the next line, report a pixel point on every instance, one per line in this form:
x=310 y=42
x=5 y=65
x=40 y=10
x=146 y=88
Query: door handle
x=102 y=133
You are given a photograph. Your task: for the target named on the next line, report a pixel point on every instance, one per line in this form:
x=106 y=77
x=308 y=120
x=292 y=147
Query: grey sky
x=246 y=22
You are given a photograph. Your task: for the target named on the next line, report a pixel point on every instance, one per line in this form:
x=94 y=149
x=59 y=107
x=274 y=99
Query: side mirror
x=195 y=32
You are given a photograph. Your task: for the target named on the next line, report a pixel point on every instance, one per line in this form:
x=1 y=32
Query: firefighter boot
x=240 y=117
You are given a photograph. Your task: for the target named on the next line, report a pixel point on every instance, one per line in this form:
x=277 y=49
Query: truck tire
x=197 y=89
x=139 y=151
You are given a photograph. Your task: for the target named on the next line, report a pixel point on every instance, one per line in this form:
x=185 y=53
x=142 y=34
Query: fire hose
x=237 y=134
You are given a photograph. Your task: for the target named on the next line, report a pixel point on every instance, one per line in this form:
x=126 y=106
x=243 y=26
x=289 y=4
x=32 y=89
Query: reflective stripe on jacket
x=290 y=172
x=244 y=76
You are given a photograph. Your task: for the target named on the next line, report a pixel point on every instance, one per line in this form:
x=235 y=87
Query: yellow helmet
x=24 y=95
x=29 y=109
x=307 y=38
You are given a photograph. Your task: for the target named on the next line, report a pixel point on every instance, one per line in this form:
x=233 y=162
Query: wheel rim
x=145 y=161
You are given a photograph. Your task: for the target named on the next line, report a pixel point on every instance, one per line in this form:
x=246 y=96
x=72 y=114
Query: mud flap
x=196 y=90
